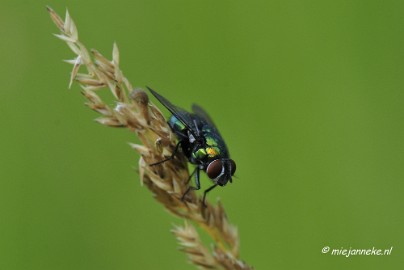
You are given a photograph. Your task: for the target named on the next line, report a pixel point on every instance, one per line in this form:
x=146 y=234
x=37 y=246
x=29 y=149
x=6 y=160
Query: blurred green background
x=308 y=95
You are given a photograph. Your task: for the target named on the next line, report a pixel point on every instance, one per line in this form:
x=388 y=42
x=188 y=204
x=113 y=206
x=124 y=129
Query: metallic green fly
x=201 y=143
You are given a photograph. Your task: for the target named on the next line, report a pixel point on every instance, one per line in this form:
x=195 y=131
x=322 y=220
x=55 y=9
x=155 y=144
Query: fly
x=201 y=143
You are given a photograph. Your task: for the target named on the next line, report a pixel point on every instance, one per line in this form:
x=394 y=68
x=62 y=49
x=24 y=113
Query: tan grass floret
x=167 y=181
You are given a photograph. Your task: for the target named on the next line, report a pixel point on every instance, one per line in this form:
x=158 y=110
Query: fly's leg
x=205 y=192
x=190 y=176
x=196 y=126
x=170 y=157
x=197 y=183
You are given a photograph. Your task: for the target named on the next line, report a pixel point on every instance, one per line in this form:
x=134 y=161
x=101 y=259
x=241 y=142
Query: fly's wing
x=205 y=116
x=182 y=115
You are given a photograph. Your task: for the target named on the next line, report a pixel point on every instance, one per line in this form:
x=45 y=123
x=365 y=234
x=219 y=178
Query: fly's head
x=221 y=171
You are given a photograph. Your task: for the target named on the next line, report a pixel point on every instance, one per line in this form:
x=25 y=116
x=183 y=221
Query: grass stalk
x=167 y=182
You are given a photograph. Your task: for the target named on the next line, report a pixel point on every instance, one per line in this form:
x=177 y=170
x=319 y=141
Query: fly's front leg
x=197 y=183
x=205 y=192
x=170 y=157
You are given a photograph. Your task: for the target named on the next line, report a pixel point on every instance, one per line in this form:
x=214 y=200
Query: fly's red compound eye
x=214 y=169
x=233 y=166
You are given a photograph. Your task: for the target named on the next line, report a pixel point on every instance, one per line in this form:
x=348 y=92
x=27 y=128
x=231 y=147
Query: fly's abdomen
x=177 y=126
x=181 y=131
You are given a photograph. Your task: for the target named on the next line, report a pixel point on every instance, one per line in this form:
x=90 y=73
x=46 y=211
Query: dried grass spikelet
x=167 y=181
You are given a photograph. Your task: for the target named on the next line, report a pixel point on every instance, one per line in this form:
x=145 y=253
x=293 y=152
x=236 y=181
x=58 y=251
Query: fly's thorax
x=211 y=141
x=206 y=149
x=206 y=153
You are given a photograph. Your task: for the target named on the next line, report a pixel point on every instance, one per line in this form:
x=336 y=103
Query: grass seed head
x=167 y=181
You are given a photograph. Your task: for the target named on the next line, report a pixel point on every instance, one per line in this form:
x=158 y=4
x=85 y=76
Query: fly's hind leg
x=170 y=157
